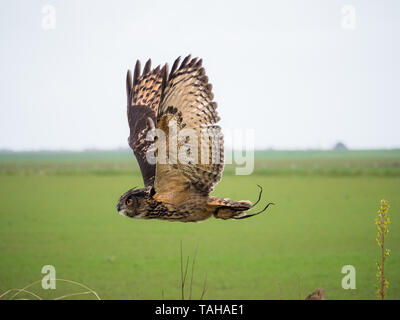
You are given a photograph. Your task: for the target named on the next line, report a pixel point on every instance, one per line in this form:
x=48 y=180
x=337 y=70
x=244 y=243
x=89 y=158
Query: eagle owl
x=176 y=190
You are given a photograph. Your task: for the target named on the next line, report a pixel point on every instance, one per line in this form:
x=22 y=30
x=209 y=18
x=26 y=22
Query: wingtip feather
x=185 y=61
x=128 y=84
x=136 y=73
x=147 y=67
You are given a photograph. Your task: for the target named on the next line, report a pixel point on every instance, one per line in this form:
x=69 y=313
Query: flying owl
x=177 y=189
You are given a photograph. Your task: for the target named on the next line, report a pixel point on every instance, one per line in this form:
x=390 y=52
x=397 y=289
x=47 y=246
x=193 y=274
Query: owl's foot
x=254 y=214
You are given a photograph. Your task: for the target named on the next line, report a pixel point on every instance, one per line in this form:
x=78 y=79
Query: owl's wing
x=144 y=94
x=188 y=101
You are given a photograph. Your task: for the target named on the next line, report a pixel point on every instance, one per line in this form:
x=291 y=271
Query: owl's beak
x=121 y=210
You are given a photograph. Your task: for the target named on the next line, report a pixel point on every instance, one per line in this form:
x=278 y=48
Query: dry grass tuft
x=13 y=294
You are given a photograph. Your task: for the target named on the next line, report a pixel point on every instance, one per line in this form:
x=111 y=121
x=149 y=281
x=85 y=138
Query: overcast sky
x=302 y=74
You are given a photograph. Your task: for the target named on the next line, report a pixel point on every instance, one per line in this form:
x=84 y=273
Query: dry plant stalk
x=382 y=221
x=184 y=274
x=318 y=294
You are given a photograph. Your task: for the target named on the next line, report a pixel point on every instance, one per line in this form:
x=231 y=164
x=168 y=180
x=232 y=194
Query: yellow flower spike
x=382 y=221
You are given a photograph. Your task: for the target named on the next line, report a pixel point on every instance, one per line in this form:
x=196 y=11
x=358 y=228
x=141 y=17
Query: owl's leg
x=228 y=213
x=228 y=209
x=236 y=213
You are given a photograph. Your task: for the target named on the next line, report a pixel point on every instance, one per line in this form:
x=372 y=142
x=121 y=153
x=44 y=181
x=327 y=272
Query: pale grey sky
x=287 y=69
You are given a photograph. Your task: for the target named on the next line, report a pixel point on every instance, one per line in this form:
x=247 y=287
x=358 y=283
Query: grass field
x=59 y=209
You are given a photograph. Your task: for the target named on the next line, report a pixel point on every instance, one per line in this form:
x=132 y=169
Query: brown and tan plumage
x=177 y=189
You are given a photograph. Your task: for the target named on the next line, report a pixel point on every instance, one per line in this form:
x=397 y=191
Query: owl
x=179 y=146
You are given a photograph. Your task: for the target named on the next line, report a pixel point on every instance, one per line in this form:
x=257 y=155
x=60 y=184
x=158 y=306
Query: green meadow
x=58 y=208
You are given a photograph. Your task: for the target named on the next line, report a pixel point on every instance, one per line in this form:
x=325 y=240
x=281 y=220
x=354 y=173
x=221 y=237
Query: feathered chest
x=194 y=209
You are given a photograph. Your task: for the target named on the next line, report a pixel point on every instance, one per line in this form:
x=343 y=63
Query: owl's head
x=134 y=203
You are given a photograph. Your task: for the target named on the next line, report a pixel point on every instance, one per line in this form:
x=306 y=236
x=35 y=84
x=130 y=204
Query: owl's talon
x=254 y=214
x=259 y=196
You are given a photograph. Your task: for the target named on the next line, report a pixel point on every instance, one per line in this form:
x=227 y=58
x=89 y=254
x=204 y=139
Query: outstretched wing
x=144 y=94
x=197 y=162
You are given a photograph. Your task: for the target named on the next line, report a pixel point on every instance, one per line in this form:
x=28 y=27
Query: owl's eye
x=128 y=202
